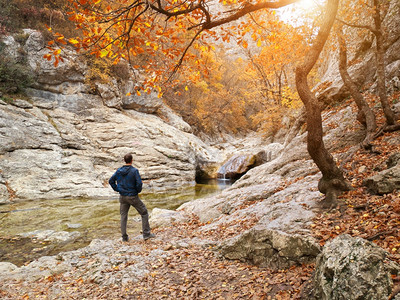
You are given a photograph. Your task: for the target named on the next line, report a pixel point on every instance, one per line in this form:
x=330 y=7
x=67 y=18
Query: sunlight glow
x=294 y=13
x=307 y=4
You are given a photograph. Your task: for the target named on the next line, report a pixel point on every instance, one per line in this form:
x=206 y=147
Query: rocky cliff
x=362 y=68
x=65 y=140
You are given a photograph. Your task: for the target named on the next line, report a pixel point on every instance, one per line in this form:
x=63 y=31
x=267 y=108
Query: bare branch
x=356 y=25
x=246 y=9
x=183 y=55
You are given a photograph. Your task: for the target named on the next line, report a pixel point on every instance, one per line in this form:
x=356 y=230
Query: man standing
x=127 y=182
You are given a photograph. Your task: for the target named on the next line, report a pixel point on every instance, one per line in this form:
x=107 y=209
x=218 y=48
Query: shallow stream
x=92 y=218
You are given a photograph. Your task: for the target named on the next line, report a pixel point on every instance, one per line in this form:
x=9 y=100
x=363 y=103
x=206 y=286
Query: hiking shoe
x=125 y=238
x=150 y=236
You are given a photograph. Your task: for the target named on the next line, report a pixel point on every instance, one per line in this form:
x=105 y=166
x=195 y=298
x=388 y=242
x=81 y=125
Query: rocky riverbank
x=259 y=238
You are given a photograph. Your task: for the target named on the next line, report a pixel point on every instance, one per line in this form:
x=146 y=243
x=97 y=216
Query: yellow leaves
x=259 y=43
x=128 y=94
x=186 y=88
x=147 y=24
x=73 y=41
x=104 y=53
x=138 y=93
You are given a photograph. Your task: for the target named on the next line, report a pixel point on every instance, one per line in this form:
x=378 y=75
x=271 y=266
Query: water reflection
x=92 y=218
x=217 y=184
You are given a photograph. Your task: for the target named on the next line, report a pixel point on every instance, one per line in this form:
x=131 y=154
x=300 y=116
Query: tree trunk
x=294 y=130
x=366 y=115
x=380 y=66
x=332 y=182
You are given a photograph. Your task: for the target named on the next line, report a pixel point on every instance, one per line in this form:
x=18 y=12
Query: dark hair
x=128 y=158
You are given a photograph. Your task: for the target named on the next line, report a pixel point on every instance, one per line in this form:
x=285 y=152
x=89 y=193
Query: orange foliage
x=158 y=37
x=218 y=100
x=163 y=32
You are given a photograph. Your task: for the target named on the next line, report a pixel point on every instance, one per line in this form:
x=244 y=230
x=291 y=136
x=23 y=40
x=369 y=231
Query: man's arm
x=138 y=181
x=112 y=182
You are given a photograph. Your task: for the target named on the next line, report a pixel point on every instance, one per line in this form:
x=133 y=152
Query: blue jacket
x=126 y=181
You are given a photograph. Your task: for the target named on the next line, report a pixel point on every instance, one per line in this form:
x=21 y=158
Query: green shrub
x=14 y=75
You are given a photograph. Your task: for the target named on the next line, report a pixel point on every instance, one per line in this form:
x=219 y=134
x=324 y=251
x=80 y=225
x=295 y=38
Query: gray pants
x=125 y=203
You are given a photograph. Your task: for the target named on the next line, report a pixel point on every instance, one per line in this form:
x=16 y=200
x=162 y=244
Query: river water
x=92 y=218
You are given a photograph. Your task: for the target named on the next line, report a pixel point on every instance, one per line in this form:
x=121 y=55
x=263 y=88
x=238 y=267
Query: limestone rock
x=145 y=103
x=169 y=116
x=50 y=152
x=41 y=268
x=393 y=160
x=271 y=248
x=67 y=141
x=364 y=71
x=22 y=104
x=4 y=195
x=73 y=100
x=52 y=235
x=353 y=268
x=6 y=267
x=237 y=166
x=385 y=181
x=21 y=130
x=165 y=217
x=11 y=46
x=66 y=78
x=206 y=170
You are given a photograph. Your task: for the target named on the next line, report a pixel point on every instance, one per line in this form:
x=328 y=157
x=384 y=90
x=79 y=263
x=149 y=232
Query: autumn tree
x=279 y=47
x=332 y=182
x=220 y=100
x=126 y=29
x=365 y=114
x=373 y=12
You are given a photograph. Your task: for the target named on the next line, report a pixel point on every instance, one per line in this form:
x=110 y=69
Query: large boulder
x=271 y=248
x=165 y=217
x=66 y=78
x=353 y=268
x=237 y=165
x=385 y=181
